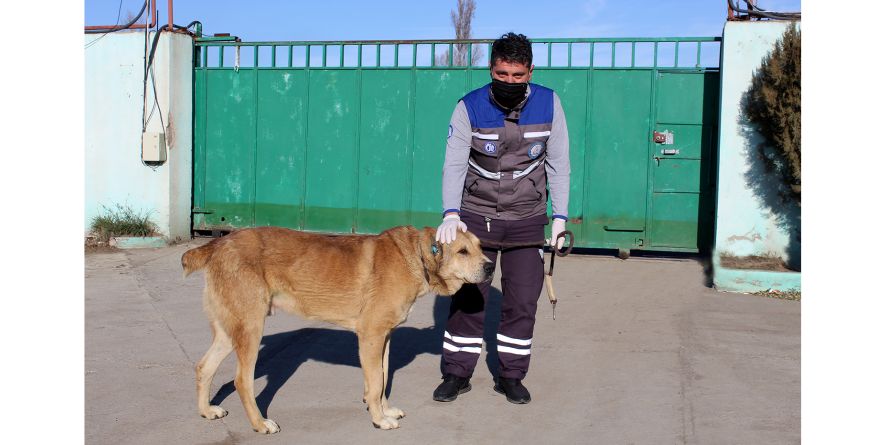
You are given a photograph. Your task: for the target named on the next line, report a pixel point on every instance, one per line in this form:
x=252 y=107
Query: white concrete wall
x=115 y=173
x=751 y=220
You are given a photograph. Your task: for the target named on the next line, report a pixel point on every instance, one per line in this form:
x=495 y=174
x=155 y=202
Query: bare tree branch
x=461 y=21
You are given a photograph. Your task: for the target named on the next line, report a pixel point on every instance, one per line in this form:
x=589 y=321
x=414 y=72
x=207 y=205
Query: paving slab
x=642 y=351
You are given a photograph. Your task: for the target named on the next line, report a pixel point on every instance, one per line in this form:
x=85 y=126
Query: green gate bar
x=358 y=147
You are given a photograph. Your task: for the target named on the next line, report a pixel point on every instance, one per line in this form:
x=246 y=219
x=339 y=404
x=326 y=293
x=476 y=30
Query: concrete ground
x=641 y=352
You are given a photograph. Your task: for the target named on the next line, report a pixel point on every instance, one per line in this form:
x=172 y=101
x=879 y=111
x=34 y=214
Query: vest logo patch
x=490 y=147
x=535 y=150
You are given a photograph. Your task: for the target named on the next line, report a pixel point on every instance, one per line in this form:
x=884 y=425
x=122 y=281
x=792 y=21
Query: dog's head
x=451 y=265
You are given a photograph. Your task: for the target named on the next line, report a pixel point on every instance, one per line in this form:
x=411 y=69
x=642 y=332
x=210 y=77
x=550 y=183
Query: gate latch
x=665 y=137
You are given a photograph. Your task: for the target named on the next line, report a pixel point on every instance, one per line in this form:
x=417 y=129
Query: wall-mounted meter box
x=153 y=147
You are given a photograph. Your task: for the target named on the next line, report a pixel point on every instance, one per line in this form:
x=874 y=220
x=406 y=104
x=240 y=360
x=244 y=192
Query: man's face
x=511 y=72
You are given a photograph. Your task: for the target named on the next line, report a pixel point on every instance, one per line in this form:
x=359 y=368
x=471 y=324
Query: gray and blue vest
x=506 y=176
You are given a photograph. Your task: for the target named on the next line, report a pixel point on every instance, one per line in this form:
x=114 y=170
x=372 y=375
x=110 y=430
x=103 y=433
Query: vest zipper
x=488 y=219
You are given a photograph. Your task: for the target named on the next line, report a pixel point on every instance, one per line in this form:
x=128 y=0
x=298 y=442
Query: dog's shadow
x=282 y=354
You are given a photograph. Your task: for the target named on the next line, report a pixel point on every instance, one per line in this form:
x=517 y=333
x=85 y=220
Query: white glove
x=558 y=227
x=449 y=227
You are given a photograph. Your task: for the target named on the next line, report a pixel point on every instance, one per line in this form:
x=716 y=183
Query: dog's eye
x=463 y=251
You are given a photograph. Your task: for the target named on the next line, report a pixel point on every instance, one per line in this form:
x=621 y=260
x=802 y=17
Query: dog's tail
x=196 y=259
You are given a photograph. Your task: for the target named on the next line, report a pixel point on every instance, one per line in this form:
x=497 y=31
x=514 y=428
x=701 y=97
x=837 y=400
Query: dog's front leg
x=388 y=410
x=372 y=348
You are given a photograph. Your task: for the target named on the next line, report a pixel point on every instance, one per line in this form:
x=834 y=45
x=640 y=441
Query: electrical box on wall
x=154 y=147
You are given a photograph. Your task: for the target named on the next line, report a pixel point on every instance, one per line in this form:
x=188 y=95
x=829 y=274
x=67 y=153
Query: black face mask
x=508 y=95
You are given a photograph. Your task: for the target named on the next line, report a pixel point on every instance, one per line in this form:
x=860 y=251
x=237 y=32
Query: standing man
x=507 y=146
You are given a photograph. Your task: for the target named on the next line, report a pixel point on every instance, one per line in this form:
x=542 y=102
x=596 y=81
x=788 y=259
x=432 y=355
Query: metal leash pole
x=555 y=252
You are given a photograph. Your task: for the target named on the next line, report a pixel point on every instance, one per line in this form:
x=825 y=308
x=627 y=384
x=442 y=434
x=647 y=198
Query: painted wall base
x=137 y=242
x=750 y=281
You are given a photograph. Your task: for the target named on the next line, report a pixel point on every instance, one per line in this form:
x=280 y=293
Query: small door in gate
x=681 y=201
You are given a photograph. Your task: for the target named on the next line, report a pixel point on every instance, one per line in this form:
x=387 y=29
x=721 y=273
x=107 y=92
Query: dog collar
x=434 y=251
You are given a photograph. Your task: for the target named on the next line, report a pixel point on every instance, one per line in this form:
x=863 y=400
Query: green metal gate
x=349 y=136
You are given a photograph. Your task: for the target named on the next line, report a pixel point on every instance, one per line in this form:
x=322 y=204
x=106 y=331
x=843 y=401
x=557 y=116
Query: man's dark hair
x=513 y=48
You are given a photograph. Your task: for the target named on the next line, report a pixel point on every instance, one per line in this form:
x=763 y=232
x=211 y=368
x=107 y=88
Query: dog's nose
x=488 y=268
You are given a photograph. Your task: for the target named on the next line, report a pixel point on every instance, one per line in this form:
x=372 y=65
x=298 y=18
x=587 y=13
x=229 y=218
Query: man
x=507 y=145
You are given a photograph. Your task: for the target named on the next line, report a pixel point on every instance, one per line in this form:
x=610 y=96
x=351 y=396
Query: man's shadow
x=282 y=354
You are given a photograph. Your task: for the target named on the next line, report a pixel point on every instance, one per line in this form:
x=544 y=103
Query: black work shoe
x=513 y=389
x=451 y=387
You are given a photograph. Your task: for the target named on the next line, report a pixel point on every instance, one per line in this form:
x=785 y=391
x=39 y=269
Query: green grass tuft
x=122 y=221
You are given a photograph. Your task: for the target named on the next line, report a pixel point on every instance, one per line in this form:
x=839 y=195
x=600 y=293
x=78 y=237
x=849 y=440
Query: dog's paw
x=269 y=427
x=396 y=413
x=387 y=423
x=215 y=412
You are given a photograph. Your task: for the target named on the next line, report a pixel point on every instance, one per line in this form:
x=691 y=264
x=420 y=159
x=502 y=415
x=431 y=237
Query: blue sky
x=414 y=19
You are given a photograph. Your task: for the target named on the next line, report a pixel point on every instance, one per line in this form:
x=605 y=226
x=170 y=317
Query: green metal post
x=698 y=54
x=655 y=55
x=569 y=54
x=676 y=54
x=592 y=57
x=633 y=51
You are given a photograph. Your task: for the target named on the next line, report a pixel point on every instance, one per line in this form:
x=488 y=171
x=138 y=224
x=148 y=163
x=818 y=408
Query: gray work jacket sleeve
x=458 y=149
x=557 y=161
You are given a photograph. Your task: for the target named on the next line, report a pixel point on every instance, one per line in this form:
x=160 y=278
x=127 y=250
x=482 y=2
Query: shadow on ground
x=703 y=258
x=282 y=354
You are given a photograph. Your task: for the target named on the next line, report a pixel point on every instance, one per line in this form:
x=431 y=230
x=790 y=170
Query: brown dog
x=365 y=283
